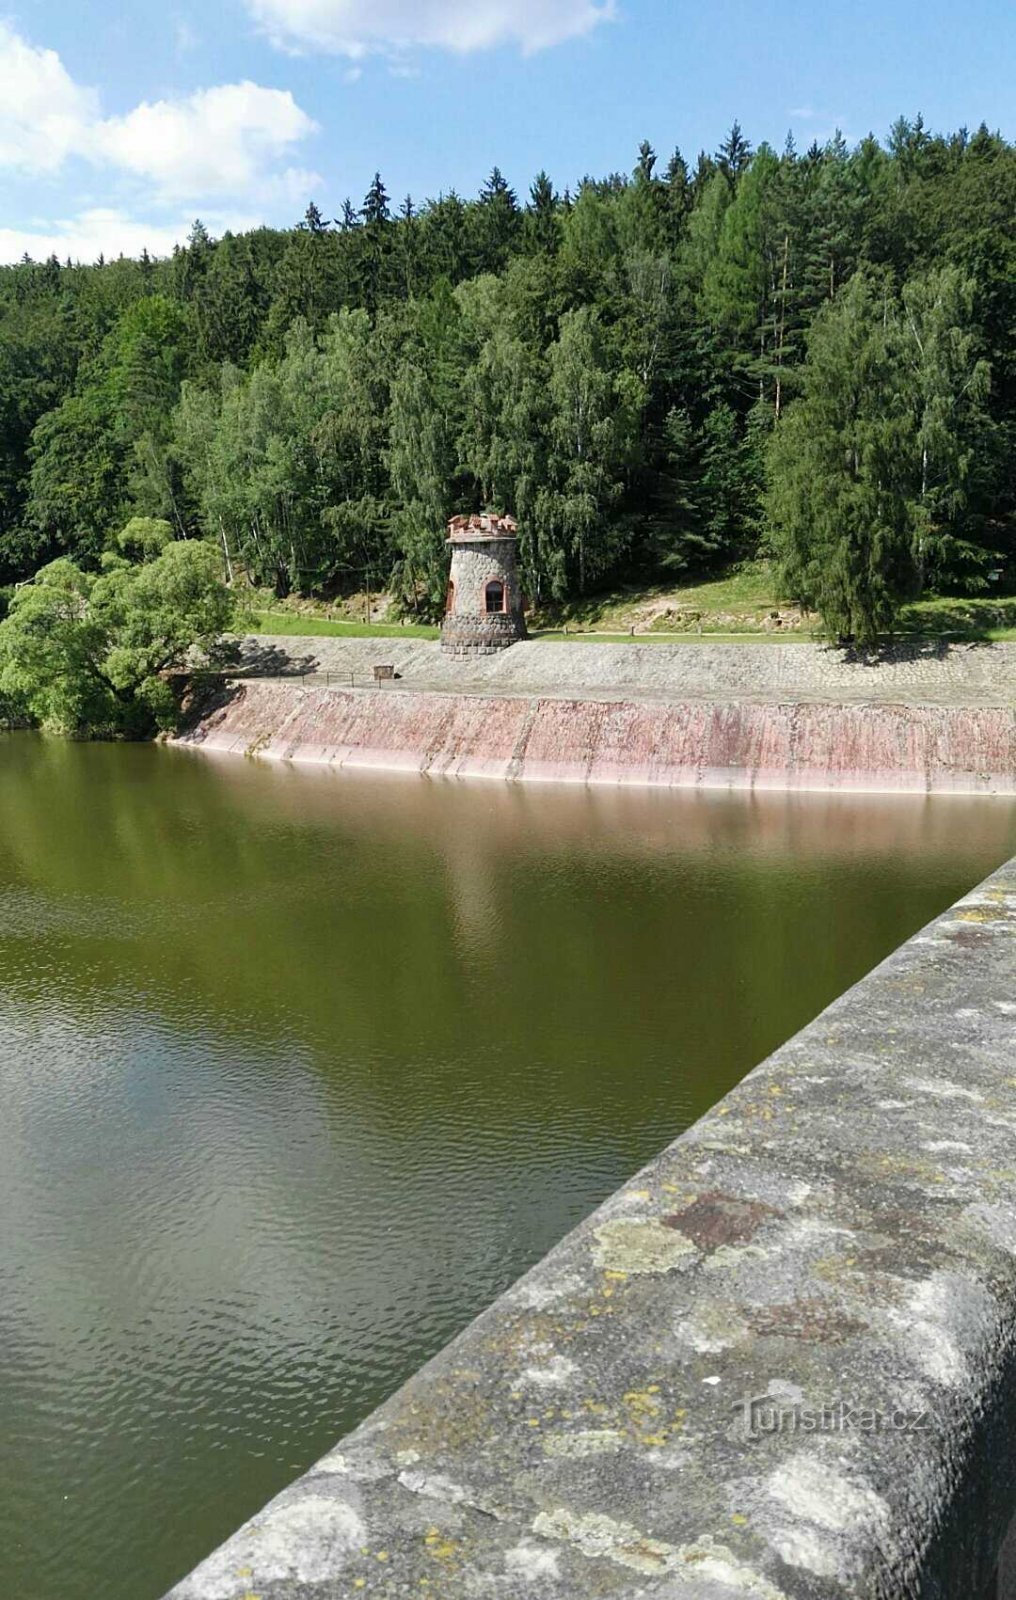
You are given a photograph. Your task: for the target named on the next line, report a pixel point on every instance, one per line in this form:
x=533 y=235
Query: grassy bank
x=986 y=617
x=745 y=603
x=292 y=625
x=740 y=606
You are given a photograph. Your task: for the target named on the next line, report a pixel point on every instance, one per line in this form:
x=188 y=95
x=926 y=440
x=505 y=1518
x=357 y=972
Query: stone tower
x=484 y=607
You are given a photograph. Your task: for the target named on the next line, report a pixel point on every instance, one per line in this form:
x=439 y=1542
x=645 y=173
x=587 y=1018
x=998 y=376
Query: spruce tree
x=841 y=506
x=542 y=231
x=734 y=153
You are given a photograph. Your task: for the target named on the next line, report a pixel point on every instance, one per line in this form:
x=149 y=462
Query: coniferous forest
x=810 y=355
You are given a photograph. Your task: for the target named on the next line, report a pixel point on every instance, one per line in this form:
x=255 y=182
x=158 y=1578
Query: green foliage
x=591 y=434
x=87 y=654
x=608 y=363
x=144 y=538
x=876 y=472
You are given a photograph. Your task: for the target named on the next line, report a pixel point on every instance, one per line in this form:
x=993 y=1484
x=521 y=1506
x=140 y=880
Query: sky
x=121 y=123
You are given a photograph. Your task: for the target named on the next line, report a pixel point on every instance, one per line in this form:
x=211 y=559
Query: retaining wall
x=727 y=744
x=780 y=1364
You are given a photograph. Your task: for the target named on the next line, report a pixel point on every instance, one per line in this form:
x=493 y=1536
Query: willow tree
x=89 y=654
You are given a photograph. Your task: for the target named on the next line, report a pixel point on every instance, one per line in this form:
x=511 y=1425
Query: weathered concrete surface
x=707 y=744
x=932 y=674
x=839 y=1231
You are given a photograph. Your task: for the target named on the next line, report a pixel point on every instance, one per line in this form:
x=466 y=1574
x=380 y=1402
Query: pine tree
x=498 y=223
x=375 y=210
x=375 y=243
x=646 y=162
x=192 y=263
x=734 y=153
x=678 y=197
x=408 y=247
x=313 y=221
x=542 y=231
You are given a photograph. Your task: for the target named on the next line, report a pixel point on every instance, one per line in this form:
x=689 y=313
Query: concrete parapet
x=780 y=1364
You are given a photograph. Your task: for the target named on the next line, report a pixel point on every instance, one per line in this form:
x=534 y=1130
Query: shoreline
x=727 y=744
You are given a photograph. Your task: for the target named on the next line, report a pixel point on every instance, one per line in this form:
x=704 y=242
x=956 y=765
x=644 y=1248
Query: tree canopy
x=813 y=354
x=89 y=652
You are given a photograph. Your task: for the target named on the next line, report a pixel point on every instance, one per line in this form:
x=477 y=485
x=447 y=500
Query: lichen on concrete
x=780 y=1364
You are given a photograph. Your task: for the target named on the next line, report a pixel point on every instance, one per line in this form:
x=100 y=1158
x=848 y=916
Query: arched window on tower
x=495 y=596
x=450 y=596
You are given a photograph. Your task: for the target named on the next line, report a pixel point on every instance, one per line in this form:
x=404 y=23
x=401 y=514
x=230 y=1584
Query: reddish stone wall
x=969 y=749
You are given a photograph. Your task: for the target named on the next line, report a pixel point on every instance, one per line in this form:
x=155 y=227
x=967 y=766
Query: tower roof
x=481 y=525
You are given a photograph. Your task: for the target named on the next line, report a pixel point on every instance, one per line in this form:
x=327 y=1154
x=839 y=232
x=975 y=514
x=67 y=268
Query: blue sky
x=119 y=125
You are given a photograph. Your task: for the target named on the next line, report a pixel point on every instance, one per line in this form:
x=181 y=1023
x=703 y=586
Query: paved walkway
x=926 y=674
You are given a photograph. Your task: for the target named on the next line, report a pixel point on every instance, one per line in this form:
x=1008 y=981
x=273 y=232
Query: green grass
x=733 y=607
x=721 y=636
x=291 y=625
x=985 y=617
x=748 y=587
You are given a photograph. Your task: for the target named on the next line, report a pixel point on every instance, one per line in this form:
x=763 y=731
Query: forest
x=810 y=356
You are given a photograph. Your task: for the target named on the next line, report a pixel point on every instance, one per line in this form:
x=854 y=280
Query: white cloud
x=822 y=125
x=101 y=231
x=42 y=110
x=110 y=231
x=357 y=27
x=232 y=139
x=221 y=140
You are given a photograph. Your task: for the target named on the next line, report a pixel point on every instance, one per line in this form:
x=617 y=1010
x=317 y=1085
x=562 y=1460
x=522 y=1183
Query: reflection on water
x=299 y=1070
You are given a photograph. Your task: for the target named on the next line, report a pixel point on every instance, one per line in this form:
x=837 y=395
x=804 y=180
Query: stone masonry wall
x=468 y=627
x=473 y=566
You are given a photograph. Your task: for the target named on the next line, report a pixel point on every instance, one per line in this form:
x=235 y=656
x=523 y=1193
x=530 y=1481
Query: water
x=298 y=1071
